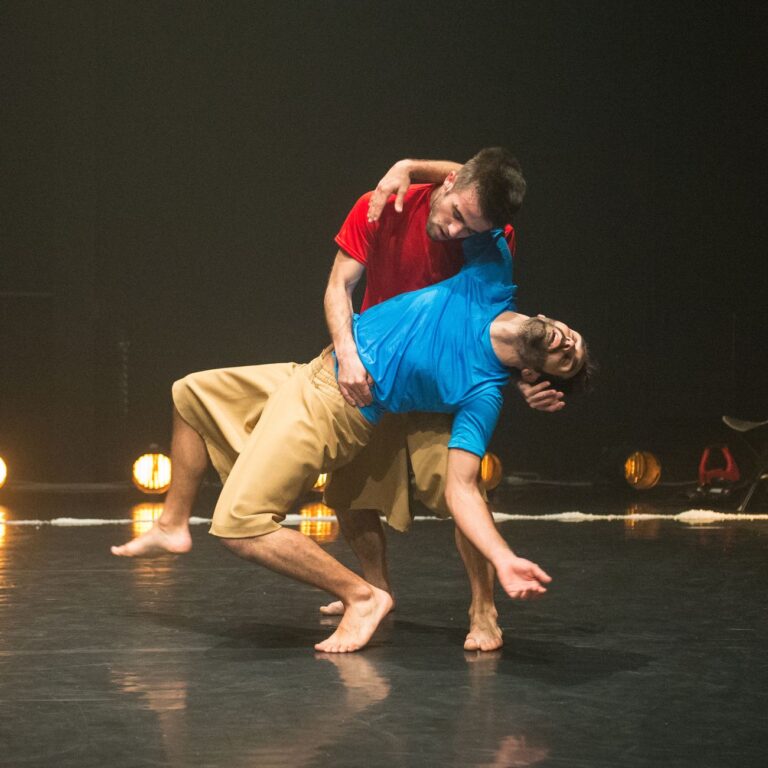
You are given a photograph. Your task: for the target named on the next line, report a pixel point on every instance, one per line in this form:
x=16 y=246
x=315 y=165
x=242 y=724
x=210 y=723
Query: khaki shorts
x=304 y=427
x=379 y=476
x=225 y=405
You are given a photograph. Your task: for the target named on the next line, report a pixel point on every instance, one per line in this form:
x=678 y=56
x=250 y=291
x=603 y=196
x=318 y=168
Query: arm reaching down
x=401 y=175
x=519 y=578
x=354 y=381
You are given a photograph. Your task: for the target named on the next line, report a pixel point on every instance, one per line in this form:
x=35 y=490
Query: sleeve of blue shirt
x=474 y=423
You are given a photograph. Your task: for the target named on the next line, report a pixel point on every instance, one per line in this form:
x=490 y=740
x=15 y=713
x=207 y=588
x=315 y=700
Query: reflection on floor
x=649 y=650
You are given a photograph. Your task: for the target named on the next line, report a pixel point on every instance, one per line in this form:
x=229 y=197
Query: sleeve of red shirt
x=357 y=234
x=509 y=234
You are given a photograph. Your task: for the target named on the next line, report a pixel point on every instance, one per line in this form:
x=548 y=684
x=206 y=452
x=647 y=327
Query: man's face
x=455 y=213
x=551 y=347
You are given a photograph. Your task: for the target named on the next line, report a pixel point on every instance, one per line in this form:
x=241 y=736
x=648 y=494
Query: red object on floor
x=728 y=473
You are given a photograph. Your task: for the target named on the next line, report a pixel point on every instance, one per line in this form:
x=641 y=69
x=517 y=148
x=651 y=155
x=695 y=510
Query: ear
x=449 y=181
x=529 y=376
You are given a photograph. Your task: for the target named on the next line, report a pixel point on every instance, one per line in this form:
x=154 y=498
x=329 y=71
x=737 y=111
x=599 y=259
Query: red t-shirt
x=396 y=251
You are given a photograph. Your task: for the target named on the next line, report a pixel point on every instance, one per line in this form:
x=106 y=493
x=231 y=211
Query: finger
x=548 y=396
x=365 y=396
x=362 y=394
x=547 y=405
x=375 y=204
x=359 y=398
x=346 y=394
x=541 y=575
x=540 y=387
x=399 y=199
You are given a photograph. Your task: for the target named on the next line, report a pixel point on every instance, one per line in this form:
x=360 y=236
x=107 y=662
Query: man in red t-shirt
x=402 y=245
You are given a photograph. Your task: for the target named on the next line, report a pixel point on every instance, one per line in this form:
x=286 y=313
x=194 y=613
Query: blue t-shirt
x=430 y=350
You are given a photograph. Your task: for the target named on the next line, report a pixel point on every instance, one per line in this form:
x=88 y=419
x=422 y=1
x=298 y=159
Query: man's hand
x=394 y=182
x=541 y=396
x=521 y=579
x=354 y=381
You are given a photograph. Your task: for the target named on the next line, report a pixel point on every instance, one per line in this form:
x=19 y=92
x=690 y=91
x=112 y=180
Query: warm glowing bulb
x=322 y=531
x=642 y=470
x=152 y=473
x=3 y=472
x=490 y=471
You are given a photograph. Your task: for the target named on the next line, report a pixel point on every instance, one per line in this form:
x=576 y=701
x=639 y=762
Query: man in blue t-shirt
x=445 y=348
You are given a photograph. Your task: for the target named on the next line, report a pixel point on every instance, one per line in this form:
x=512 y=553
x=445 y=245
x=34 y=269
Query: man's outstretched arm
x=401 y=175
x=519 y=578
x=354 y=381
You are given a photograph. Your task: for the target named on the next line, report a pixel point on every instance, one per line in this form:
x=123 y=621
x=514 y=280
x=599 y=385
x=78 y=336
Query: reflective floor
x=649 y=650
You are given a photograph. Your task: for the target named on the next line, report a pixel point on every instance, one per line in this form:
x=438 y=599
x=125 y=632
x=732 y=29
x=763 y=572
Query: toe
x=471 y=644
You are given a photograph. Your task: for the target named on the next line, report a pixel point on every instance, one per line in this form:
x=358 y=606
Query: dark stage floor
x=649 y=650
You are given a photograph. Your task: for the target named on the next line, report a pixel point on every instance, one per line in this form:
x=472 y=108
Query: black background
x=173 y=174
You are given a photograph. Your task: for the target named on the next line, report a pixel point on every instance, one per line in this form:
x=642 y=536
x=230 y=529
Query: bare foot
x=358 y=624
x=336 y=608
x=156 y=541
x=484 y=632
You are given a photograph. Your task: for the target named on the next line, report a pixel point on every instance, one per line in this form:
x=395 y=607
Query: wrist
x=345 y=351
x=501 y=555
x=406 y=166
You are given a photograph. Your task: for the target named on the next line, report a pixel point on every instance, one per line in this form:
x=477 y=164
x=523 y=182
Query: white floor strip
x=692 y=516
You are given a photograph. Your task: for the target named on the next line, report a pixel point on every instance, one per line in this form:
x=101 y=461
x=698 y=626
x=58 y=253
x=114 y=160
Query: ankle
x=172 y=524
x=359 y=594
x=378 y=581
x=483 y=610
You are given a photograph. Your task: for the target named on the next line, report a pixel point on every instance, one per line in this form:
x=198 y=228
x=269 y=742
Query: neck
x=505 y=330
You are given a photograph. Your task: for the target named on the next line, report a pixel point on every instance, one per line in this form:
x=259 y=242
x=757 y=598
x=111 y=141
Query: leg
x=427 y=437
x=170 y=533
x=363 y=531
x=484 y=631
x=306 y=428
x=293 y=554
x=224 y=405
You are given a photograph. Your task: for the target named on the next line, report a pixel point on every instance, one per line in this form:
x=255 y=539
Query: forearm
x=472 y=516
x=429 y=171
x=338 y=317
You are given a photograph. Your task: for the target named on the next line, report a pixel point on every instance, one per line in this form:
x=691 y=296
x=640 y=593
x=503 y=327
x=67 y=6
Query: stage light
x=322 y=531
x=490 y=471
x=321 y=482
x=642 y=470
x=3 y=472
x=152 y=472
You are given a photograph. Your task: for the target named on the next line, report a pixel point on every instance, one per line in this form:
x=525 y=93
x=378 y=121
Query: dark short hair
x=499 y=180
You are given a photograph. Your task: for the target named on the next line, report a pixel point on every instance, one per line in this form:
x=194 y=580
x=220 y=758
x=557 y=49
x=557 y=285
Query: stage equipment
x=760 y=474
x=322 y=531
x=3 y=472
x=490 y=471
x=152 y=472
x=642 y=470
